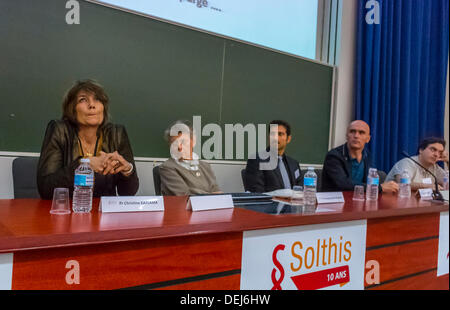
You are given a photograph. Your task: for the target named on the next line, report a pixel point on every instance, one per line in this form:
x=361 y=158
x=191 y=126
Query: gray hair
x=178 y=127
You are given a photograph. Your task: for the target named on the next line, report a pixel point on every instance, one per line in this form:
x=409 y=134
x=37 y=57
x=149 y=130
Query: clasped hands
x=110 y=163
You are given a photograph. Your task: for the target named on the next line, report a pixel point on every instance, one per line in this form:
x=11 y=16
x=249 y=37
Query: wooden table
x=180 y=249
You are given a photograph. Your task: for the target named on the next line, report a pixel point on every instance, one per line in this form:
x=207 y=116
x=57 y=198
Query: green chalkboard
x=154 y=73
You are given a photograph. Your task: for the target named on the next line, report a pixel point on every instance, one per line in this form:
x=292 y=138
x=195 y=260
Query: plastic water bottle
x=83 y=187
x=373 y=180
x=405 y=185
x=309 y=187
x=445 y=184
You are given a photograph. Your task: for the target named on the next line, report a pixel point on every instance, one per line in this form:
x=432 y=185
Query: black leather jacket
x=60 y=157
x=337 y=170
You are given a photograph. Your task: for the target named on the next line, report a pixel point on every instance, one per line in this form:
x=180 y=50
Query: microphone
x=436 y=193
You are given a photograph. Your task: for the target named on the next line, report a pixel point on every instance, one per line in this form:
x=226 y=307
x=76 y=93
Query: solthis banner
x=322 y=256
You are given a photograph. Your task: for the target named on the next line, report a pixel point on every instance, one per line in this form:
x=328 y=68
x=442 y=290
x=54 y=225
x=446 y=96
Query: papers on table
x=287 y=193
x=322 y=197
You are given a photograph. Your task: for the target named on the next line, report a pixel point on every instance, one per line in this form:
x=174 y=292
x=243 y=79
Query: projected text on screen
x=289 y=25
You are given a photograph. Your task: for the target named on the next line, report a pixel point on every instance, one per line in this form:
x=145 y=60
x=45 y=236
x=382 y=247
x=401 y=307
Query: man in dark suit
x=348 y=164
x=286 y=173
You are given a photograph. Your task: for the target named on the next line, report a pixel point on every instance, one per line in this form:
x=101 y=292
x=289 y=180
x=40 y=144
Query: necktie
x=284 y=174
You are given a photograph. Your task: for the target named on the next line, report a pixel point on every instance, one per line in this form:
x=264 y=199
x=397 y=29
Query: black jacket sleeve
x=126 y=185
x=254 y=176
x=52 y=172
x=335 y=176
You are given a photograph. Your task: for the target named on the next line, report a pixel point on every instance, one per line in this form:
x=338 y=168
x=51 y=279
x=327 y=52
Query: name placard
x=209 y=202
x=445 y=195
x=426 y=193
x=6 y=271
x=131 y=204
x=427 y=181
x=330 y=197
x=442 y=264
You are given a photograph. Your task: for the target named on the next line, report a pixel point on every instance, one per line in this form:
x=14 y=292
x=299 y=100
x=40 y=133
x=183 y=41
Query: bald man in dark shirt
x=348 y=164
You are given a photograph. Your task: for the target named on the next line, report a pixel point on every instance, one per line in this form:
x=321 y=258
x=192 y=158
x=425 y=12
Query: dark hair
x=282 y=123
x=70 y=100
x=430 y=140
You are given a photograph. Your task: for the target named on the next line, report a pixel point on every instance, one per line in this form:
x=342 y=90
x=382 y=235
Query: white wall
x=228 y=174
x=6 y=180
x=345 y=81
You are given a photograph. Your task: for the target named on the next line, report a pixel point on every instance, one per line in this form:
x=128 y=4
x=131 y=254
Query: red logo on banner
x=277 y=282
x=323 y=278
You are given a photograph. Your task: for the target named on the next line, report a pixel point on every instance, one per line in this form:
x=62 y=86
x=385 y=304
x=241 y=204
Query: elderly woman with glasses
x=183 y=173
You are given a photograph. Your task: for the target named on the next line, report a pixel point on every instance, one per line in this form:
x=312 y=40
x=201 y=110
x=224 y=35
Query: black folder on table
x=245 y=198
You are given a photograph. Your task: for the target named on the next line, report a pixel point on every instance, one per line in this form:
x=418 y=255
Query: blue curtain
x=401 y=74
